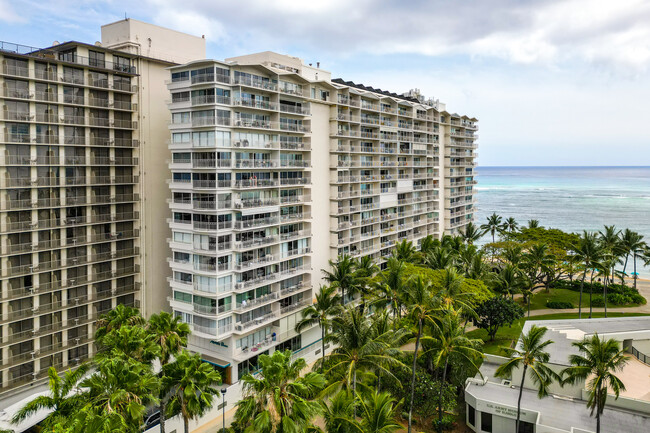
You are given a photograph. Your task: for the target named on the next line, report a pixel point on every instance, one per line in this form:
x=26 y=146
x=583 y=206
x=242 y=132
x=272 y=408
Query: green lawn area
x=541 y=297
x=507 y=335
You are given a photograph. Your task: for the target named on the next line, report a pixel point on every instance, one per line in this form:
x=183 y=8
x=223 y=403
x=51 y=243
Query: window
x=471 y=415
x=96 y=59
x=68 y=56
x=526 y=427
x=180 y=76
x=185 y=238
x=122 y=64
x=181 y=117
x=183 y=297
x=181 y=137
x=486 y=422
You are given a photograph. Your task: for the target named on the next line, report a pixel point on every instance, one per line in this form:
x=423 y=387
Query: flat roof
x=565 y=332
x=560 y=412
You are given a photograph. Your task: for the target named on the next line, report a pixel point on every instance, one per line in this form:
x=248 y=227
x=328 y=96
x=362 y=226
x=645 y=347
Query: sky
x=552 y=82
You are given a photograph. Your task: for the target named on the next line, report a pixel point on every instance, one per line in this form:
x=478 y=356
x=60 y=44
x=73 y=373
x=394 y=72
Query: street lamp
x=223 y=408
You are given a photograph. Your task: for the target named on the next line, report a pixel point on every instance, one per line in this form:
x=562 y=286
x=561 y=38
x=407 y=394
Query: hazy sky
x=553 y=82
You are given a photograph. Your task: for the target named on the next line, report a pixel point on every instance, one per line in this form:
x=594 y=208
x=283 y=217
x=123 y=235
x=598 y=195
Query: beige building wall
x=160 y=47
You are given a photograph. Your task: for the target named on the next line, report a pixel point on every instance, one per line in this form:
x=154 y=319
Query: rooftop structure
x=492 y=402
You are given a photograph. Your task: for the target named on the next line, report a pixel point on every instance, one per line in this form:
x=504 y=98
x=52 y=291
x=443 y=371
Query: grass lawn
x=541 y=297
x=507 y=335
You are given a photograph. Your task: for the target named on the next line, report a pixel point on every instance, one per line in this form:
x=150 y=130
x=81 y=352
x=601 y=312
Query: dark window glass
x=486 y=422
x=471 y=415
x=525 y=427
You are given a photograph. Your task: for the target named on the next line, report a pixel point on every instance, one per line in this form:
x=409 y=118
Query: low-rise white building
x=491 y=403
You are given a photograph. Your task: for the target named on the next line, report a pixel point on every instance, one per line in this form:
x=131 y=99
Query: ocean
x=568 y=198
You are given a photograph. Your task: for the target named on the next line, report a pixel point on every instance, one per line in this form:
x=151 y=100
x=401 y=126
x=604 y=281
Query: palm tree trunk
x=521 y=391
x=415 y=360
x=442 y=384
x=162 y=415
x=605 y=296
x=322 y=339
x=591 y=291
x=635 y=275
x=598 y=412
x=627 y=256
x=186 y=424
x=582 y=284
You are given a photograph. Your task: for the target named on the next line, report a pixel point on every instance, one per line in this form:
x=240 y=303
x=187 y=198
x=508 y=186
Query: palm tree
x=610 y=240
x=538 y=262
x=533 y=224
x=493 y=225
x=119 y=316
x=422 y=309
x=510 y=225
x=365 y=269
x=359 y=351
x=428 y=243
x=588 y=252
x=170 y=334
x=605 y=270
x=279 y=399
x=130 y=341
x=471 y=233
x=339 y=413
x=531 y=354
x=343 y=276
x=509 y=281
x=449 y=341
x=191 y=384
x=119 y=391
x=479 y=269
x=377 y=413
x=62 y=400
x=450 y=293
x=405 y=251
x=597 y=363
x=440 y=258
x=319 y=313
x=391 y=286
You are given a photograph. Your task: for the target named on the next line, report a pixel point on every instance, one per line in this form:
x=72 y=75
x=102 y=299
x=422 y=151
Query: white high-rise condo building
x=275 y=169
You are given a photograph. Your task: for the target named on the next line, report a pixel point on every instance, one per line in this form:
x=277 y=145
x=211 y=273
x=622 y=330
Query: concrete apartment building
x=82 y=149
x=491 y=403
x=278 y=168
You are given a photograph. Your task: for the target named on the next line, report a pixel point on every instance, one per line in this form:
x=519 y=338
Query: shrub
x=618 y=299
x=448 y=422
x=597 y=301
x=637 y=299
x=559 y=305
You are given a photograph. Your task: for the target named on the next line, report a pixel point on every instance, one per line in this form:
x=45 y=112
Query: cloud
x=8 y=14
x=532 y=32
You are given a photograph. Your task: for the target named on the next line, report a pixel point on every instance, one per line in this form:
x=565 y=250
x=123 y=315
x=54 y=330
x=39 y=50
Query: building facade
x=276 y=169
x=76 y=122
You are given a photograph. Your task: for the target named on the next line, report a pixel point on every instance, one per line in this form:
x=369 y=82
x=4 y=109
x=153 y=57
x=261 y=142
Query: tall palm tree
x=192 y=386
x=479 y=269
x=320 y=313
x=605 y=270
x=279 y=399
x=588 y=252
x=450 y=293
x=427 y=244
x=531 y=354
x=170 y=334
x=343 y=276
x=339 y=413
x=130 y=341
x=471 y=233
x=422 y=309
x=121 y=388
x=391 y=286
x=358 y=352
x=450 y=341
x=610 y=240
x=510 y=225
x=538 y=261
x=365 y=269
x=440 y=258
x=597 y=363
x=119 y=316
x=493 y=225
x=533 y=224
x=631 y=244
x=405 y=252
x=509 y=281
x=61 y=399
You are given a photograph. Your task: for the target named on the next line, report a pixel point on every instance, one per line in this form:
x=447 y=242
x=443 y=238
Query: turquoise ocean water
x=568 y=198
